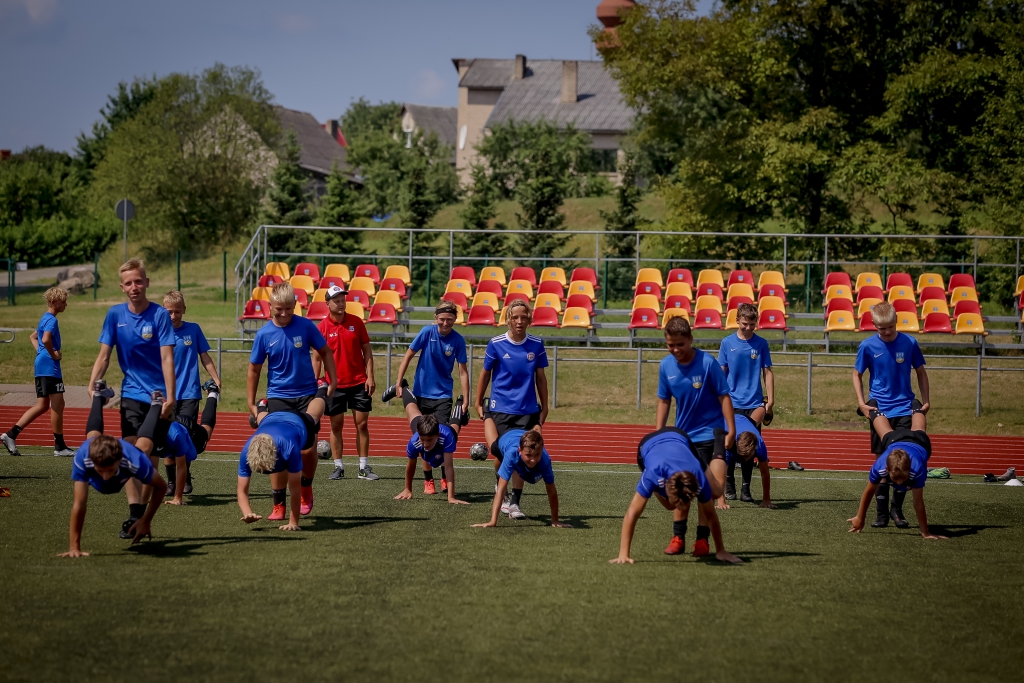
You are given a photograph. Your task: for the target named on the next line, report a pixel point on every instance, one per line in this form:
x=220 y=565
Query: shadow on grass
x=577 y=521
x=959 y=530
x=330 y=522
x=793 y=504
x=757 y=555
x=213 y=499
x=28 y=476
x=472 y=496
x=191 y=547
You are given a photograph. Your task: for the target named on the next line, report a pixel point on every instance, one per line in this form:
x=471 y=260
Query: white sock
x=339 y=463
x=214 y=395
x=363 y=462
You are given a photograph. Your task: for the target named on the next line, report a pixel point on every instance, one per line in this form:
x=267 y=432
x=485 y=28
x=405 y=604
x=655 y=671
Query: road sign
x=125 y=210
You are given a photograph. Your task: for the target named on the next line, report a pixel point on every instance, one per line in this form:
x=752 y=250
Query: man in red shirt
x=347 y=338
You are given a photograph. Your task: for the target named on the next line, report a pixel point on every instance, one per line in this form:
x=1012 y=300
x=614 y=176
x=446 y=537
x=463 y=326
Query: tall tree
x=362 y=118
x=540 y=198
x=340 y=207
x=479 y=238
x=625 y=218
x=120 y=107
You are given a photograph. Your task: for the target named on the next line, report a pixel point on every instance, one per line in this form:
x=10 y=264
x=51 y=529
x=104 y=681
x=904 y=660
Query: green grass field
x=377 y=589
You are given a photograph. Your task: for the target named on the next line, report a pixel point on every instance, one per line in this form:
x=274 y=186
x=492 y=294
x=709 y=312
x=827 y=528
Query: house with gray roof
x=442 y=121
x=322 y=146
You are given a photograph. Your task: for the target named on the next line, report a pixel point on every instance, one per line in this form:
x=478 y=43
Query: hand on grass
x=561 y=525
x=720 y=504
x=139 y=530
x=74 y=552
x=251 y=517
x=725 y=556
x=404 y=495
x=767 y=504
x=486 y=524
x=856 y=524
x=935 y=537
x=175 y=501
x=621 y=560
x=456 y=501
x=289 y=527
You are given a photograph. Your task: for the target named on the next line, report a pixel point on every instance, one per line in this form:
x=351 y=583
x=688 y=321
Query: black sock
x=747 y=470
x=703 y=532
x=14 y=431
x=58 y=441
x=307 y=482
x=730 y=474
x=210 y=413
x=279 y=495
x=882 y=500
x=516 y=495
x=160 y=434
x=149 y=425
x=172 y=474
x=897 y=500
x=407 y=397
x=95 y=421
x=428 y=475
x=679 y=529
x=136 y=510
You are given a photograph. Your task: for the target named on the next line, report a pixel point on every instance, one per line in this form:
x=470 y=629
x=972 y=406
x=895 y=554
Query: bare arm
x=47 y=342
x=410 y=472
x=730 y=420
x=922 y=517
x=499 y=495
x=99 y=368
x=210 y=366
x=295 y=491
x=170 y=386
x=857 y=522
x=922 y=382
x=463 y=380
x=449 y=474
x=248 y=516
x=553 y=502
x=34 y=338
x=542 y=393
x=636 y=508
x=330 y=369
x=180 y=477
x=252 y=383
x=481 y=387
x=766 y=485
x=77 y=521
x=721 y=554
x=769 y=387
x=661 y=417
x=402 y=368
x=371 y=383
x=858 y=388
x=156 y=499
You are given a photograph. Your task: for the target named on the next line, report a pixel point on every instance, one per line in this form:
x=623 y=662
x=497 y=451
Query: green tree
x=340 y=207
x=540 y=198
x=625 y=218
x=509 y=154
x=362 y=118
x=120 y=107
x=479 y=237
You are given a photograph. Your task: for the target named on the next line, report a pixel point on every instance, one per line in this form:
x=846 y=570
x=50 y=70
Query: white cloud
x=429 y=85
x=294 y=23
x=38 y=11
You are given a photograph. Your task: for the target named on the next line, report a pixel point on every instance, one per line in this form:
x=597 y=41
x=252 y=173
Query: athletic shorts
x=296 y=405
x=350 y=398
x=901 y=422
x=504 y=422
x=711 y=450
x=188 y=408
x=132 y=415
x=900 y=435
x=441 y=408
x=48 y=386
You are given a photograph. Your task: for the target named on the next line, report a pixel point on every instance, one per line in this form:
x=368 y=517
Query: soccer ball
x=323 y=449
x=478 y=451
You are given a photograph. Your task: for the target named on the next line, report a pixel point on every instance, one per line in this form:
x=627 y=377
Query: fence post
x=824 y=271
x=389 y=366
x=785 y=256
x=429 y=261
x=554 y=378
x=638 y=251
x=639 y=376
x=605 y=304
x=975 y=259
x=177 y=258
x=597 y=250
x=95 y=272
x=470 y=368
x=809 y=364
x=410 y=253
x=219 y=373
x=451 y=250
x=977 y=392
x=225 y=276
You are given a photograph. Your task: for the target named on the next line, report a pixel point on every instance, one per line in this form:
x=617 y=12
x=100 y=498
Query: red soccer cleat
x=306 y=499
x=444 y=486
x=701 y=548
x=278 y=513
x=428 y=487
x=676 y=546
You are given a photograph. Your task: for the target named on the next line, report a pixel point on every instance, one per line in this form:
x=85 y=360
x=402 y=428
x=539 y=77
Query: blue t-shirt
x=513 y=367
x=918 y=466
x=189 y=342
x=134 y=464
x=890 y=365
x=46 y=366
x=138 y=339
x=745 y=424
x=742 y=362
x=289 y=433
x=696 y=388
x=664 y=454
x=438 y=356
x=509 y=445
x=289 y=370
x=447 y=442
x=179 y=443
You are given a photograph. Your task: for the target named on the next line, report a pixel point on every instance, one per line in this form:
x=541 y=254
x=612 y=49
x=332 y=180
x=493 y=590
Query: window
x=604 y=160
x=462 y=137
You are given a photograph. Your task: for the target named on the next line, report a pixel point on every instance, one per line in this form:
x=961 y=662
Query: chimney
x=5 y=154
x=334 y=130
x=569 y=79
x=519 y=70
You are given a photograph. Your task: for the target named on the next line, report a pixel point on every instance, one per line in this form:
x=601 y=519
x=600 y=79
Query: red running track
x=595 y=443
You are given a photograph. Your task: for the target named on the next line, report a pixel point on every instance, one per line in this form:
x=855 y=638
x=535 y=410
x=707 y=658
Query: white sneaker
x=514 y=512
x=504 y=505
x=63 y=452
x=8 y=442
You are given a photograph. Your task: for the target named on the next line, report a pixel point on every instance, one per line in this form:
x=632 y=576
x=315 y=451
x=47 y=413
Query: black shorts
x=505 y=422
x=188 y=408
x=902 y=422
x=48 y=386
x=441 y=408
x=899 y=435
x=350 y=398
x=296 y=405
x=711 y=450
x=132 y=415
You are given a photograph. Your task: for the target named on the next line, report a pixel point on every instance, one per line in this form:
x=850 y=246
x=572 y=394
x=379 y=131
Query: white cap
x=333 y=291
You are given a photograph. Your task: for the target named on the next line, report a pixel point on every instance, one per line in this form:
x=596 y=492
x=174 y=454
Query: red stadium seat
x=545 y=316
x=871 y=292
x=580 y=301
x=647 y=288
x=327 y=282
x=710 y=289
x=368 y=270
x=318 y=310
x=707 y=319
x=644 y=318
x=965 y=306
x=866 y=323
x=838 y=305
x=553 y=287
x=481 y=315
x=394 y=284
x=905 y=306
x=463 y=273
x=899 y=280
x=360 y=297
x=270 y=280
x=383 y=313
x=960 y=280
x=457 y=298
x=772 y=320
x=256 y=310
x=735 y=302
x=937 y=322
x=587 y=274
x=525 y=273
x=773 y=290
x=302 y=298
x=678 y=301
x=837 y=277
x=744 y=276
x=491 y=287
x=680 y=275
x=929 y=293
x=311 y=270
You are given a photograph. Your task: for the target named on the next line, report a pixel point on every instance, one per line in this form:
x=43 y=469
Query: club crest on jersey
x=448 y=349
x=297 y=342
x=697 y=381
x=147 y=331
x=188 y=340
x=351 y=328
x=753 y=354
x=530 y=356
x=899 y=357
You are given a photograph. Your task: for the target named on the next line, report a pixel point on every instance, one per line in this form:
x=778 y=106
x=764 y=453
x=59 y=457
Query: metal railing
x=3 y=338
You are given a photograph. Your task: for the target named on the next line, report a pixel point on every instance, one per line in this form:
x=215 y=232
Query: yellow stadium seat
x=520 y=287
x=303 y=282
x=386 y=296
x=278 y=268
x=839 y=292
x=934 y=306
x=493 y=273
x=963 y=294
x=261 y=294
x=772 y=277
x=710 y=277
x=486 y=299
x=906 y=293
x=299 y=311
x=840 y=321
x=730 y=320
x=649 y=275
x=679 y=289
x=674 y=313
x=548 y=301
x=552 y=273
x=770 y=303
x=740 y=289
x=461 y=286
x=502 y=320
x=460 y=316
x=930 y=280
x=338 y=270
x=582 y=287
x=575 y=316
x=320 y=294
x=707 y=302
x=647 y=301
x=868 y=280
x=865 y=305
x=1020 y=286
x=355 y=308
x=907 y=322
x=400 y=272
x=363 y=284
x=969 y=323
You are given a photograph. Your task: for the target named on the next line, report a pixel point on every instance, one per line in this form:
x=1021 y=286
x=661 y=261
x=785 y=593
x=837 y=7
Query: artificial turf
x=378 y=589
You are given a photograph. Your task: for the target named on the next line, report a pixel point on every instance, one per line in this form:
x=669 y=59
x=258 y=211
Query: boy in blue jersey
x=523 y=459
x=903 y=464
x=277 y=449
x=749 y=447
x=744 y=356
x=144 y=337
x=285 y=344
x=672 y=472
x=435 y=444
x=49 y=379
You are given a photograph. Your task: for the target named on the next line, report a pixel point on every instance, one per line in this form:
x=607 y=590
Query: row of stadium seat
x=903 y=280
x=931 y=323
x=320 y=296
x=523 y=273
x=281 y=270
x=307 y=284
x=521 y=289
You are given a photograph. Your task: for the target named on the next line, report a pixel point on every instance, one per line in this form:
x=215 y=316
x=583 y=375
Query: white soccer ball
x=323 y=449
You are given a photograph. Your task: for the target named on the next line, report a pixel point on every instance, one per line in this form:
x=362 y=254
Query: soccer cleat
x=278 y=513
x=701 y=548
x=125 y=526
x=457 y=412
x=514 y=512
x=768 y=417
x=306 y=500
x=745 y=494
x=990 y=478
x=63 y=452
x=795 y=466
x=100 y=387
x=211 y=387
x=338 y=473
x=157 y=398
x=392 y=391
x=444 y=486
x=367 y=473
x=1008 y=475
x=428 y=487
x=676 y=546
x=730 y=491
x=881 y=522
x=252 y=421
x=898 y=519
x=261 y=407
x=188 y=481
x=505 y=504
x=9 y=444
x=170 y=491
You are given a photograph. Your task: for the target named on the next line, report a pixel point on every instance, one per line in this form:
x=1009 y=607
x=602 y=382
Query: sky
x=60 y=59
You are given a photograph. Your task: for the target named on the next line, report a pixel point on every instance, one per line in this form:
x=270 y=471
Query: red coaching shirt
x=346 y=340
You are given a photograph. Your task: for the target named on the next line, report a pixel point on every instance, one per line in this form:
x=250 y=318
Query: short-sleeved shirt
x=138 y=339
x=511 y=462
x=890 y=364
x=286 y=350
x=134 y=465
x=696 y=388
x=918 y=447
x=447 y=442
x=745 y=424
x=179 y=444
x=438 y=356
x=346 y=340
x=742 y=360
x=513 y=368
x=189 y=342
x=46 y=366
x=664 y=453
x=288 y=431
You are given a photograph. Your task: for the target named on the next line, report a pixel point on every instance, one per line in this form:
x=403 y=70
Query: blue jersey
x=918 y=466
x=438 y=356
x=288 y=431
x=513 y=367
x=745 y=424
x=696 y=388
x=665 y=453
x=46 y=366
x=138 y=339
x=289 y=368
x=509 y=446
x=134 y=465
x=890 y=365
x=742 y=362
x=189 y=342
x=179 y=443
x=447 y=442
